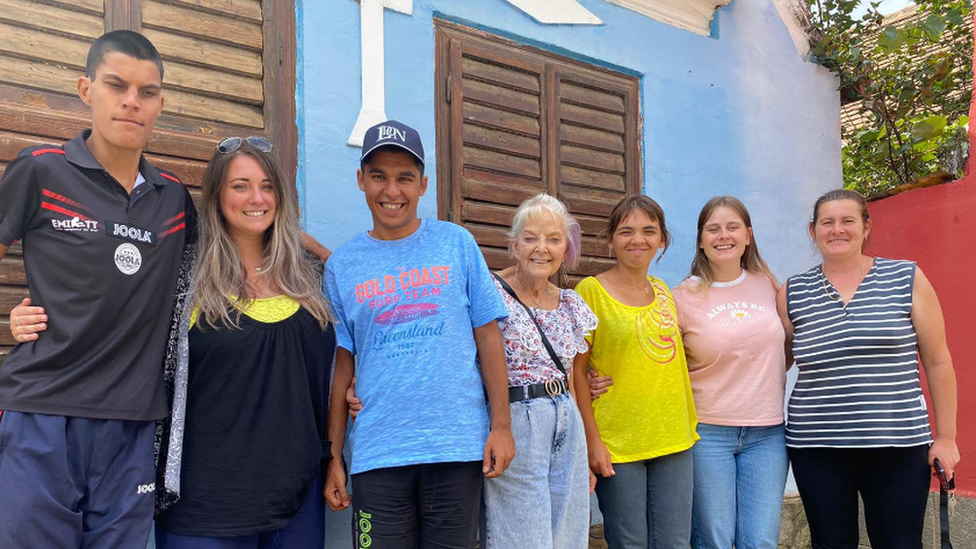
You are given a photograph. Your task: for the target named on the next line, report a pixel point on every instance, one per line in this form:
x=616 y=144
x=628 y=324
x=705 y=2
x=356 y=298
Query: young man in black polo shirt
x=103 y=233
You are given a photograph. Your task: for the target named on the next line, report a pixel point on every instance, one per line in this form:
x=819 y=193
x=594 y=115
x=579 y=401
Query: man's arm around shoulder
x=335 y=482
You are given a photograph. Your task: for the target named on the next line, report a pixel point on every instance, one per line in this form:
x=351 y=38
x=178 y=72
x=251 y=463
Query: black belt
x=551 y=388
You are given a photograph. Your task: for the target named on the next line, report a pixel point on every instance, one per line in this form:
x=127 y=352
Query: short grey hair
x=542 y=204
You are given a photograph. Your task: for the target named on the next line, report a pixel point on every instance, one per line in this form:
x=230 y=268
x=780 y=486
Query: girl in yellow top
x=640 y=432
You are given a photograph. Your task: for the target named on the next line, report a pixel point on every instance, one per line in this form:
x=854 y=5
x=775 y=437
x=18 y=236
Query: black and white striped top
x=858 y=384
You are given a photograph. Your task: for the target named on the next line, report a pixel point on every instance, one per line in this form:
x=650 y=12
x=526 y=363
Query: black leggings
x=431 y=506
x=893 y=483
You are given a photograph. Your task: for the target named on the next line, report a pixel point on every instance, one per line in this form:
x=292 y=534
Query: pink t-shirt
x=734 y=343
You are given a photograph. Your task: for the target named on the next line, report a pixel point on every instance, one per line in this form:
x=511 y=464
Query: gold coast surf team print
x=408 y=291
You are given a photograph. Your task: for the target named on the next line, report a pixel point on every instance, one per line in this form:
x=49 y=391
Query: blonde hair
x=750 y=261
x=540 y=205
x=221 y=274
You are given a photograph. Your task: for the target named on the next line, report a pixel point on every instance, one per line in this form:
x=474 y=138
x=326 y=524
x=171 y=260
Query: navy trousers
x=75 y=483
x=305 y=531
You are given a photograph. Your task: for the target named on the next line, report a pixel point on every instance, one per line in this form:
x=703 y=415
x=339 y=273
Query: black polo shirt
x=104 y=266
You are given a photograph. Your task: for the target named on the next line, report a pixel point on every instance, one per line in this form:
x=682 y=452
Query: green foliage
x=913 y=81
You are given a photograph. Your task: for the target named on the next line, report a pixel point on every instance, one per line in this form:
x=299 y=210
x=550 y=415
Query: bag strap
x=944 y=517
x=946 y=486
x=545 y=340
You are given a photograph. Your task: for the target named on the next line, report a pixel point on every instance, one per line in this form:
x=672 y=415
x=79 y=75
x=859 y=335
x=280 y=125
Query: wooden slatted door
x=514 y=121
x=599 y=154
x=229 y=70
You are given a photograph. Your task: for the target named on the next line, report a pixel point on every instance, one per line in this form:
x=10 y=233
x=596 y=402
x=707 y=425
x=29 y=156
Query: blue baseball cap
x=395 y=134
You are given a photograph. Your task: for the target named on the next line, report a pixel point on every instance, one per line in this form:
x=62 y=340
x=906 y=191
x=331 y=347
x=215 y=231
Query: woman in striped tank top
x=858 y=422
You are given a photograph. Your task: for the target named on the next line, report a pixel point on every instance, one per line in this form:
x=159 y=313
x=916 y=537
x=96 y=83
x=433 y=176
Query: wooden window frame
x=52 y=115
x=553 y=68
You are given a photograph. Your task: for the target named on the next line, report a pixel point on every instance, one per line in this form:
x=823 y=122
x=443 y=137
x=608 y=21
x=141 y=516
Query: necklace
x=527 y=292
x=823 y=281
x=257 y=268
x=645 y=287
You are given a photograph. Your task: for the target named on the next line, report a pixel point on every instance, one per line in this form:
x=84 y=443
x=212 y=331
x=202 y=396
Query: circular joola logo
x=128 y=259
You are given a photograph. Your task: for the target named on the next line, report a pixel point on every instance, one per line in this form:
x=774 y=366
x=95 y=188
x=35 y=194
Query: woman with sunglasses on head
x=639 y=434
x=240 y=460
x=260 y=350
x=858 y=422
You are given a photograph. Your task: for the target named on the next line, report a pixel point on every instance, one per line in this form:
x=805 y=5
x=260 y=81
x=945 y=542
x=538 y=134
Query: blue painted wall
x=740 y=113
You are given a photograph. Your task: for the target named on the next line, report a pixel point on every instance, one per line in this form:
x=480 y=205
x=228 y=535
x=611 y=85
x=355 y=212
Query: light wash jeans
x=740 y=474
x=542 y=500
x=647 y=504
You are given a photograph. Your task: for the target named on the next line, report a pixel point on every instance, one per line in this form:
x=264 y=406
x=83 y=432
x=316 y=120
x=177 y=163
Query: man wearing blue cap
x=418 y=310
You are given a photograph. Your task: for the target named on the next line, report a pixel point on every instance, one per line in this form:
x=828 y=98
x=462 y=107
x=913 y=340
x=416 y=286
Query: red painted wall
x=937 y=228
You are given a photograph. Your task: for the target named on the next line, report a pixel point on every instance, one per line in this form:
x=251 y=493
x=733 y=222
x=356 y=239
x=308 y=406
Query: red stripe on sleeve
x=62 y=198
x=39 y=152
x=65 y=211
x=175 y=229
x=174 y=219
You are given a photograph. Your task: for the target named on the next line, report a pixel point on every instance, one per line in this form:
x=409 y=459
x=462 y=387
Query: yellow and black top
x=256 y=429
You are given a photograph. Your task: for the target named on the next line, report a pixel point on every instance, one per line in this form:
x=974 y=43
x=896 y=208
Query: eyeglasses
x=231 y=144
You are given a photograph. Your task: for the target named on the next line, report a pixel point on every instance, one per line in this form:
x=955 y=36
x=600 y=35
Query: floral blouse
x=566 y=326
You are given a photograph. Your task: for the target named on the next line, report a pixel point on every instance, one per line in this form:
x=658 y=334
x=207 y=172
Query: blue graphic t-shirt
x=406 y=310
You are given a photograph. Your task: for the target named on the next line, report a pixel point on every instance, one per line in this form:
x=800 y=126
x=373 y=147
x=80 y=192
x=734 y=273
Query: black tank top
x=256 y=427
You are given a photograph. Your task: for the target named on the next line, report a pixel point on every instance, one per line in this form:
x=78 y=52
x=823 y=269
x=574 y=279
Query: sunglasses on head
x=231 y=144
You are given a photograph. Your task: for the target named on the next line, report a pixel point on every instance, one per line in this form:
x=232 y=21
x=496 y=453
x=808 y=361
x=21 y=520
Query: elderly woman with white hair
x=542 y=500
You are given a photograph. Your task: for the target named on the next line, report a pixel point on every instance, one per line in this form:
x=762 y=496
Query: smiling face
x=840 y=229
x=393 y=185
x=125 y=98
x=637 y=240
x=724 y=237
x=541 y=247
x=247 y=199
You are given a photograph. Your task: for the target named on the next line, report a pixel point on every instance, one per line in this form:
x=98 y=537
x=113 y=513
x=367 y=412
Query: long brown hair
x=750 y=261
x=221 y=276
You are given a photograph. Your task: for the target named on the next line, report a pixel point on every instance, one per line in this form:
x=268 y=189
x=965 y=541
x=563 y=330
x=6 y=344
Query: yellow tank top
x=265 y=309
x=649 y=411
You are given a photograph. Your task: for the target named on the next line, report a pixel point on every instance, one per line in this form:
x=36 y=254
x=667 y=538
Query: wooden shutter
x=229 y=70
x=514 y=121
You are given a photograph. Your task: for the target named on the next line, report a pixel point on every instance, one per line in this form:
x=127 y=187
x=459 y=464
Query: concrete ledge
x=795 y=533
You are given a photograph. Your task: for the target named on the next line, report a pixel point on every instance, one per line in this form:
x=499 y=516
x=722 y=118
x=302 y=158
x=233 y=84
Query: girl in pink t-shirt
x=735 y=346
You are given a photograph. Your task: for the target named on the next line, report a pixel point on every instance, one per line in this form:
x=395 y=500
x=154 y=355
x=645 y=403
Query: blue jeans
x=542 y=499
x=740 y=475
x=647 y=504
